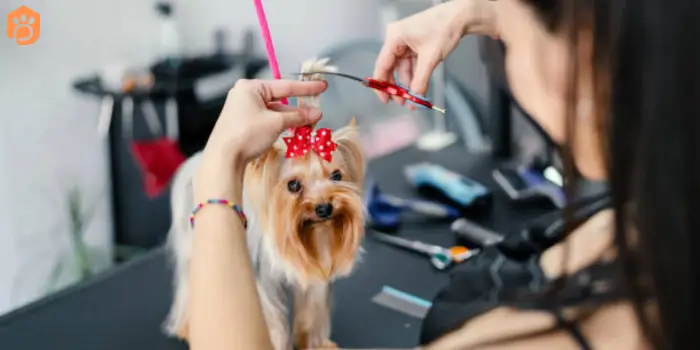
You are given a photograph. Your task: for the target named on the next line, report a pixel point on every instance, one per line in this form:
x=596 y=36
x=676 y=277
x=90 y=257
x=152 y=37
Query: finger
x=405 y=71
x=398 y=100
x=275 y=90
x=412 y=107
x=425 y=65
x=280 y=107
x=295 y=118
x=386 y=61
x=385 y=64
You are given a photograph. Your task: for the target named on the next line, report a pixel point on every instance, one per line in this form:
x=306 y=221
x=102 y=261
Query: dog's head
x=312 y=206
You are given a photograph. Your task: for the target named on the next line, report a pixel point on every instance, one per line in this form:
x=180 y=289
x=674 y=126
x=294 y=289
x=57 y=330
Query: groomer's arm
x=225 y=311
x=225 y=307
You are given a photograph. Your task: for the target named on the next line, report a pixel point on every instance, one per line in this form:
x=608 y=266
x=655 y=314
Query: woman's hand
x=415 y=45
x=253 y=118
x=250 y=122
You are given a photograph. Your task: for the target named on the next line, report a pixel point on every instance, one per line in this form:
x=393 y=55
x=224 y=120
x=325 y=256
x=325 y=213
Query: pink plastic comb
x=267 y=37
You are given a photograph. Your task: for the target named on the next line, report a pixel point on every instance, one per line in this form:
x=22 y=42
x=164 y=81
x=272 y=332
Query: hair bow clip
x=302 y=141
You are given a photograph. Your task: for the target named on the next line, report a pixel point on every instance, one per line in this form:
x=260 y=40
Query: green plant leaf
x=55 y=275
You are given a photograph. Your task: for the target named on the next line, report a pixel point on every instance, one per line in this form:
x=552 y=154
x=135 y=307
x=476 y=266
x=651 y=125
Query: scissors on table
x=387 y=87
x=440 y=257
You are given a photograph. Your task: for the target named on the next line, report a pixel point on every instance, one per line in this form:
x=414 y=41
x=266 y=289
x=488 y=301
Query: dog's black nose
x=324 y=210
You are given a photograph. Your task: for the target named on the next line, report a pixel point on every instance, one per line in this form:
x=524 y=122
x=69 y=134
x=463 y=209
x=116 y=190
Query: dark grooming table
x=124 y=309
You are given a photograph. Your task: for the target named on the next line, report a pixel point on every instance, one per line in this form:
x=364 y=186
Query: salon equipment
x=402 y=302
x=387 y=87
x=159 y=156
x=127 y=117
x=104 y=119
x=524 y=183
x=474 y=233
x=553 y=175
x=454 y=188
x=138 y=220
x=151 y=116
x=536 y=236
x=385 y=211
x=170 y=47
x=171 y=119
x=440 y=257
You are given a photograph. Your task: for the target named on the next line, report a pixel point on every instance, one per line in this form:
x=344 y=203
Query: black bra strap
x=574 y=330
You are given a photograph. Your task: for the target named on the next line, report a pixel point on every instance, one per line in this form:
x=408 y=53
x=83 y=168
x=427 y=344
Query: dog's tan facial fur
x=317 y=248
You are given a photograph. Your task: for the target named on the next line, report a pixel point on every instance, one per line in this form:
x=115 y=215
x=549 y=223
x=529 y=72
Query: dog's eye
x=294 y=186
x=336 y=176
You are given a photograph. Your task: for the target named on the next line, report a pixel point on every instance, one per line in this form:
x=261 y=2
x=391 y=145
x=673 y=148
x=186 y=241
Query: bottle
x=169 y=36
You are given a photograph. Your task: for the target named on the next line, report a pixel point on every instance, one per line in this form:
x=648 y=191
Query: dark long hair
x=655 y=152
x=647 y=71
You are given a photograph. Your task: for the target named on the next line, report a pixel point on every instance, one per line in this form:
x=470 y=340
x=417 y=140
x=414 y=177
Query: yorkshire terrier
x=303 y=199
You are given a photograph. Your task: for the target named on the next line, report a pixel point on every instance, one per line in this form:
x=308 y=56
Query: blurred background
x=99 y=111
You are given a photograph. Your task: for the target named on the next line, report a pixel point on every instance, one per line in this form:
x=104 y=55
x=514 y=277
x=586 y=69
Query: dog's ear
x=279 y=146
x=348 y=140
x=350 y=132
x=263 y=173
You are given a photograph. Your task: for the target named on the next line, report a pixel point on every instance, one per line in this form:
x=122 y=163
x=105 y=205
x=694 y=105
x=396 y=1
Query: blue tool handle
x=423 y=207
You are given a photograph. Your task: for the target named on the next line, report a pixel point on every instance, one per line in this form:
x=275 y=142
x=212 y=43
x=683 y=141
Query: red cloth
x=158 y=160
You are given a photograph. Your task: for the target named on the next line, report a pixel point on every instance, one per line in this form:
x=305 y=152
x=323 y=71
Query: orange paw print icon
x=23 y=25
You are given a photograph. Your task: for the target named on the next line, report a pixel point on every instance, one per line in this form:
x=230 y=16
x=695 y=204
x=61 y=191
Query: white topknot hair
x=314 y=65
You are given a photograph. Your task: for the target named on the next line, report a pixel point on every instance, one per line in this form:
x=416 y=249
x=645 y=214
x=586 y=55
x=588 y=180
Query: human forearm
x=474 y=16
x=225 y=307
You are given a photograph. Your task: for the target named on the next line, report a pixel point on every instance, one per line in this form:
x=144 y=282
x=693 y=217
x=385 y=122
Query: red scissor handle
x=396 y=90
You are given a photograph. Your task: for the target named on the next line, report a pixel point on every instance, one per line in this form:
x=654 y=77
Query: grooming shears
x=440 y=257
x=389 y=88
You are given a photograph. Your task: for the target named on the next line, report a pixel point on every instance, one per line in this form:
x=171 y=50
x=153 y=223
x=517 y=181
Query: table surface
x=124 y=308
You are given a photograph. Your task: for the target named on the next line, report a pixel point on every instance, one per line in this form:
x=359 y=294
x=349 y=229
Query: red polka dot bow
x=302 y=141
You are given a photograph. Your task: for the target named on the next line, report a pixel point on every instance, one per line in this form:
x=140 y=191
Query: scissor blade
x=343 y=75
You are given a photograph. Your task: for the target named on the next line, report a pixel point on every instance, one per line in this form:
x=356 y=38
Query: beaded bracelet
x=225 y=202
